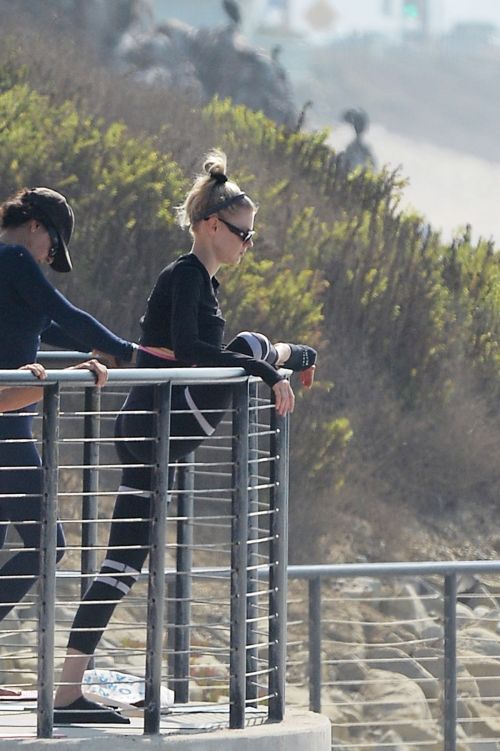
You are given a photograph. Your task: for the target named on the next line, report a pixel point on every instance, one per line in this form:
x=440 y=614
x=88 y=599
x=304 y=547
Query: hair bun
x=220 y=178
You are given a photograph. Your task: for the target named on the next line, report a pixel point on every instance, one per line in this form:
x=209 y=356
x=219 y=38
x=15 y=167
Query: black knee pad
x=255 y=345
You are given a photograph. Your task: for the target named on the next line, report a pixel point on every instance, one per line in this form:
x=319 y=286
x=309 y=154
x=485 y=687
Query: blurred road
x=449 y=187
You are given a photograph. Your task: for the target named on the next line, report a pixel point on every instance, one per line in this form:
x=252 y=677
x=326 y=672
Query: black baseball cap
x=54 y=212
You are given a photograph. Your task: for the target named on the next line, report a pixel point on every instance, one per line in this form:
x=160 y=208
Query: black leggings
x=128 y=544
x=20 y=505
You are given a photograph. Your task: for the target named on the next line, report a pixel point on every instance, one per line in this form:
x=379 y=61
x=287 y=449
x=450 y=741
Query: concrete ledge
x=300 y=731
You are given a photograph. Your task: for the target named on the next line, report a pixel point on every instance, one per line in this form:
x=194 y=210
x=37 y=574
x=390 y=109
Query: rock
x=482 y=594
x=464 y=714
x=487 y=719
x=342 y=622
x=489 y=583
x=353 y=673
x=481 y=611
x=488 y=618
x=485 y=671
x=341 y=721
x=466 y=684
x=464 y=614
x=13 y=638
x=397 y=694
x=433 y=632
x=348 y=704
x=466 y=583
x=479 y=639
x=196 y=693
x=361 y=587
x=396 y=698
x=298 y=696
x=397 y=661
x=199 y=62
x=431 y=659
x=391 y=741
x=337 y=743
x=408 y=607
x=208 y=666
x=297 y=665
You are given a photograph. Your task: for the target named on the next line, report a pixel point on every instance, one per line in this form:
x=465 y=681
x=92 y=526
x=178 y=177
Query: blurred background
x=426 y=72
x=366 y=130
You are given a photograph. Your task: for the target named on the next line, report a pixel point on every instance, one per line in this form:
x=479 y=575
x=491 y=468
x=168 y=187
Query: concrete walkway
x=189 y=728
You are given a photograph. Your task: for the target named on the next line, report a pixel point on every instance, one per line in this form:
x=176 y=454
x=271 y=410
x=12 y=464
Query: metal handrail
x=127 y=376
x=316 y=574
x=411 y=568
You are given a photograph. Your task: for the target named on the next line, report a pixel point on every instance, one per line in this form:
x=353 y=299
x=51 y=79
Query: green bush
x=397 y=316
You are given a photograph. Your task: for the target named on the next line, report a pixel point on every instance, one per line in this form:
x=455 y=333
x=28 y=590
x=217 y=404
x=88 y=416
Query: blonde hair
x=212 y=192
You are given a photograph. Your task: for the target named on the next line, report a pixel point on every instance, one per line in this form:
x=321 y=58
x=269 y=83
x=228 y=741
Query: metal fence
x=398 y=655
x=217 y=556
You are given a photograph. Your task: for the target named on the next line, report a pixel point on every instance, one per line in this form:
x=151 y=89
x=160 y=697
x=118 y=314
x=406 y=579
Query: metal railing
x=222 y=575
x=372 y=628
x=226 y=593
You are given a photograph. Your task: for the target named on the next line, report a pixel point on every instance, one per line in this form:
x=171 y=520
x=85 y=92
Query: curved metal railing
x=231 y=506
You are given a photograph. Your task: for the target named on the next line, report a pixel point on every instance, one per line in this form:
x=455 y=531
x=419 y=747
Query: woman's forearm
x=13 y=398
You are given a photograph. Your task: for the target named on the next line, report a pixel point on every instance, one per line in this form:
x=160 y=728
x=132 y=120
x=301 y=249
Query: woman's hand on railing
x=37 y=370
x=284 y=397
x=99 y=370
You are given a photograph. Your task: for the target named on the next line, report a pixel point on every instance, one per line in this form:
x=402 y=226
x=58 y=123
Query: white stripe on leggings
x=202 y=421
x=122 y=567
x=134 y=491
x=255 y=344
x=112 y=582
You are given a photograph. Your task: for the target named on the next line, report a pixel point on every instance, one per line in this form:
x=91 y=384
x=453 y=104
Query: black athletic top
x=32 y=309
x=183 y=315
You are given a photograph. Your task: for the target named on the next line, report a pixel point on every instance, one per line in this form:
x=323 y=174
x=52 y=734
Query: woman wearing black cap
x=35 y=229
x=182 y=326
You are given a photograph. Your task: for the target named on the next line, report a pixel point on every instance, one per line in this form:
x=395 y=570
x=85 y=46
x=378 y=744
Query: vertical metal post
x=253 y=551
x=278 y=562
x=47 y=579
x=91 y=433
x=315 y=644
x=171 y=615
x=156 y=580
x=239 y=537
x=183 y=580
x=450 y=662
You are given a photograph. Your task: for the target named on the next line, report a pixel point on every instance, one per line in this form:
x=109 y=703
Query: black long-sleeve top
x=32 y=309
x=183 y=314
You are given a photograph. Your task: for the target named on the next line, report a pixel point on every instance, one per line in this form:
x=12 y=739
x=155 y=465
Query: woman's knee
x=255 y=345
x=128 y=427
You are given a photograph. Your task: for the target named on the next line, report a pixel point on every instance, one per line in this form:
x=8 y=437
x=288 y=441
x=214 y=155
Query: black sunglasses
x=245 y=235
x=54 y=241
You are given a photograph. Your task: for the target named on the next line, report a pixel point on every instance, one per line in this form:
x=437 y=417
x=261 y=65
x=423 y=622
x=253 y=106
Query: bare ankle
x=67 y=695
x=284 y=353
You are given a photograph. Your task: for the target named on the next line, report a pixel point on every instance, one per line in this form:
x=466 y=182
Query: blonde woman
x=182 y=326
